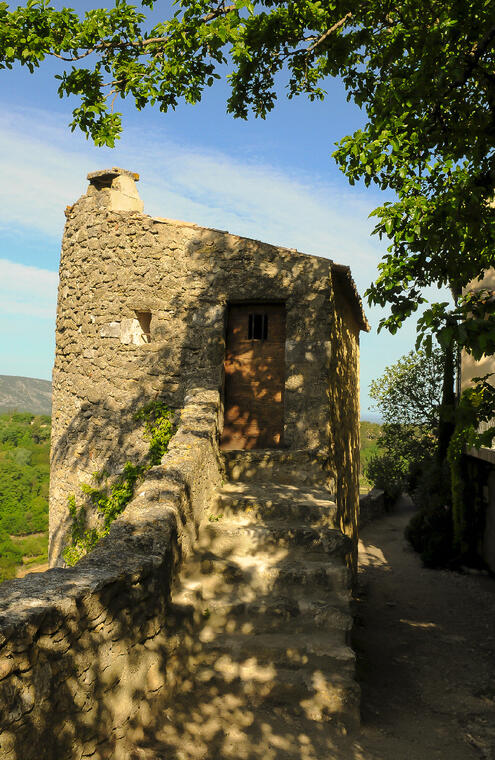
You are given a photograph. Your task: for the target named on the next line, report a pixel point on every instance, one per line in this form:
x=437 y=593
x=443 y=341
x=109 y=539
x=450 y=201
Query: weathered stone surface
x=110 y=330
x=83 y=650
x=371 y=506
x=268 y=594
x=116 y=264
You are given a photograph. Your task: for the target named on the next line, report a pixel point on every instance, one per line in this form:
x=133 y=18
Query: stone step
x=264 y=606
x=275 y=466
x=244 y=536
x=242 y=609
x=216 y=623
x=276 y=612
x=269 y=573
x=204 y=725
x=260 y=501
x=302 y=691
x=322 y=652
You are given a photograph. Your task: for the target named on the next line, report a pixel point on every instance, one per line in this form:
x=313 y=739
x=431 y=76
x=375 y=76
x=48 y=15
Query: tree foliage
x=423 y=70
x=24 y=480
x=408 y=396
x=24 y=473
x=410 y=391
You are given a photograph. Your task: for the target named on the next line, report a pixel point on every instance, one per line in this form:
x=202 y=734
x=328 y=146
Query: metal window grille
x=258 y=327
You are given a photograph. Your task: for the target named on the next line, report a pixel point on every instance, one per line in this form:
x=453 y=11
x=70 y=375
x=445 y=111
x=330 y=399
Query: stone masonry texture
x=117 y=264
x=92 y=653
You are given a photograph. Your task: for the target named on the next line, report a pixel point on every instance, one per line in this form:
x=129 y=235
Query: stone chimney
x=115 y=189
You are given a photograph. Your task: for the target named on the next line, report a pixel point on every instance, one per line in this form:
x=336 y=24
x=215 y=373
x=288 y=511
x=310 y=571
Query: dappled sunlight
x=419 y=624
x=372 y=556
x=269 y=669
x=182 y=636
x=254 y=376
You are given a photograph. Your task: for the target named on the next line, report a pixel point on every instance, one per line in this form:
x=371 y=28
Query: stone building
x=480 y=463
x=152 y=308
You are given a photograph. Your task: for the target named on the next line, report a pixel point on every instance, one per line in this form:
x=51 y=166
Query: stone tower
x=151 y=308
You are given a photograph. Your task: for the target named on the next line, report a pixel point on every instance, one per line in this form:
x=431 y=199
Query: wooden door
x=254 y=377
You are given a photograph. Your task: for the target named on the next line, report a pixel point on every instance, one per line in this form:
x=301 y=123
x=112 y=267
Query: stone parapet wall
x=93 y=653
x=371 y=506
x=343 y=393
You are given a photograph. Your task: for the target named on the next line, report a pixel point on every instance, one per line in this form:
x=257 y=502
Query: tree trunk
x=446 y=423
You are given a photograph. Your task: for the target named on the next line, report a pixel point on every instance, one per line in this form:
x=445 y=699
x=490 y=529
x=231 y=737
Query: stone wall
x=344 y=406
x=141 y=315
x=92 y=653
x=371 y=506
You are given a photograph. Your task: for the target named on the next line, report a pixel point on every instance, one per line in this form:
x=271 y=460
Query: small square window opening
x=144 y=319
x=258 y=327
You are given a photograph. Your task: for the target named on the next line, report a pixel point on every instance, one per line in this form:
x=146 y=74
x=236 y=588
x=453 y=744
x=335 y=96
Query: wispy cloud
x=26 y=290
x=260 y=201
x=44 y=169
x=42 y=173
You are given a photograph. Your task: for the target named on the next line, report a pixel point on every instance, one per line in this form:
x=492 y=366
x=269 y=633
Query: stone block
x=110 y=330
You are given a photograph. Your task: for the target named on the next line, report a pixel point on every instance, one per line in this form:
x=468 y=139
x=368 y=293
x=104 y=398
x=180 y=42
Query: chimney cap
x=109 y=174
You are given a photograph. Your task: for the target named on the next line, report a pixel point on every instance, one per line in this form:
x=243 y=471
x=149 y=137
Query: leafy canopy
x=409 y=392
x=423 y=70
x=408 y=396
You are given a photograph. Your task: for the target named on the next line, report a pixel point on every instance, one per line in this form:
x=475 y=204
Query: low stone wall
x=92 y=653
x=371 y=506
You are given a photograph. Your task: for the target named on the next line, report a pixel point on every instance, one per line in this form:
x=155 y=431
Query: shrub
x=430 y=530
x=389 y=473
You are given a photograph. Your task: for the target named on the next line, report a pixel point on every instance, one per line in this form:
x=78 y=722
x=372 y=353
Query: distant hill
x=25 y=394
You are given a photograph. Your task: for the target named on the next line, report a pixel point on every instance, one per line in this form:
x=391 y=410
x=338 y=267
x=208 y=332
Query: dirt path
x=426 y=650
x=24 y=570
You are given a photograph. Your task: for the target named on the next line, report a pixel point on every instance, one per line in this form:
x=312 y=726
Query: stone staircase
x=270 y=673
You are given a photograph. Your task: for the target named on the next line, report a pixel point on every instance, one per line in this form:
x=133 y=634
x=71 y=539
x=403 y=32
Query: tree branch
x=222 y=10
x=330 y=31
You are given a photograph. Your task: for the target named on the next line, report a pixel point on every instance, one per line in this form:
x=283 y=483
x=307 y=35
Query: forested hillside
x=24 y=476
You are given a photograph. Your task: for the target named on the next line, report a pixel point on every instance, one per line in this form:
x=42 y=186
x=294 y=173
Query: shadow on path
x=425 y=641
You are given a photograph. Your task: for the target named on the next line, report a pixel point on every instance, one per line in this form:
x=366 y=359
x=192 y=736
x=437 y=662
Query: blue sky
x=272 y=180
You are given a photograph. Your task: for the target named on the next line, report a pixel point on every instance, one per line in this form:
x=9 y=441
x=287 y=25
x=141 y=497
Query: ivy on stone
x=158 y=428
x=110 y=500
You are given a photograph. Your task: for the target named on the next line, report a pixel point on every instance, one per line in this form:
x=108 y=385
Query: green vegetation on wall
x=24 y=479
x=111 y=497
